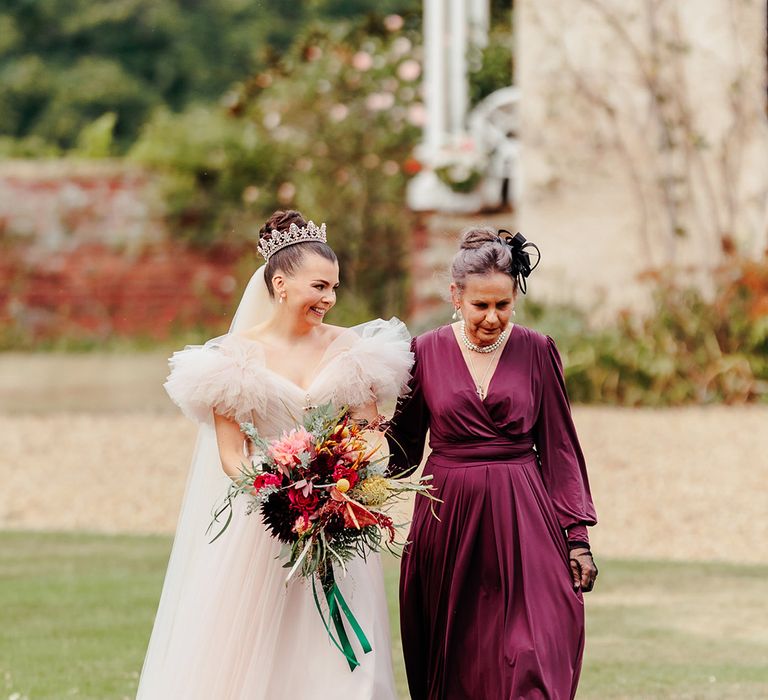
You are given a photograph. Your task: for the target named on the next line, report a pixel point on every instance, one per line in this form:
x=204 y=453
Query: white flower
x=409 y=70
x=379 y=101
x=271 y=120
x=417 y=115
x=304 y=164
x=286 y=192
x=362 y=61
x=250 y=194
x=393 y=23
x=390 y=167
x=401 y=46
x=339 y=112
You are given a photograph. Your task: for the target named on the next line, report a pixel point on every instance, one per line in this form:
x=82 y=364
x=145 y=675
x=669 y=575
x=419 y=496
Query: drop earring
x=282 y=296
x=456 y=314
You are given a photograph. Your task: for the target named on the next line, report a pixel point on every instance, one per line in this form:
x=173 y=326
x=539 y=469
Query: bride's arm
x=231 y=442
x=373 y=437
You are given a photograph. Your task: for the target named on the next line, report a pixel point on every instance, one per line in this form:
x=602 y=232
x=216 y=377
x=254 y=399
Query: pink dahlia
x=288 y=449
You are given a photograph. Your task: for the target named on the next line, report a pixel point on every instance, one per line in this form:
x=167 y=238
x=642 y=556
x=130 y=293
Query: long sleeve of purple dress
x=409 y=425
x=563 y=468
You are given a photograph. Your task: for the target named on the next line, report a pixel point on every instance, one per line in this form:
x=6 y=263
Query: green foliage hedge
x=64 y=63
x=693 y=349
x=329 y=130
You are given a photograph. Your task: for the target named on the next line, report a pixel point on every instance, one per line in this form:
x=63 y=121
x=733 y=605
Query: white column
x=479 y=21
x=434 y=74
x=457 y=69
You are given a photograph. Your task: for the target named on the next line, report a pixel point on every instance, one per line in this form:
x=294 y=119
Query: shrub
x=326 y=130
x=692 y=349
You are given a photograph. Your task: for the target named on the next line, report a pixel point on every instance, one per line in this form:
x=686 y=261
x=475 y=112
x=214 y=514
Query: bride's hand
x=370 y=420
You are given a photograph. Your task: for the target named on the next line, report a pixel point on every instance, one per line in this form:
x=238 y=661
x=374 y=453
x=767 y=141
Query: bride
x=228 y=627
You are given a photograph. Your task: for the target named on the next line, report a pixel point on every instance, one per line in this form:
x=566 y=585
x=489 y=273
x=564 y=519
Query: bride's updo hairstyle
x=287 y=260
x=481 y=252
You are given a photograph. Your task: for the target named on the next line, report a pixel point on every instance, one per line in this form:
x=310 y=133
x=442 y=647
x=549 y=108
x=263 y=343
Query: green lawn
x=77 y=611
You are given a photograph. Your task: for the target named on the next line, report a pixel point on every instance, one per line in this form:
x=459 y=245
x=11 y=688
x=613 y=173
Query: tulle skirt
x=238 y=632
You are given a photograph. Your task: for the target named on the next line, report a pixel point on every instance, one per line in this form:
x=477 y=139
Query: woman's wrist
x=578 y=544
x=578 y=533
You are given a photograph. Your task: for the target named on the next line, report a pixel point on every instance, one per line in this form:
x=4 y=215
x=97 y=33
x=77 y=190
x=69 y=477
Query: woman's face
x=310 y=293
x=486 y=303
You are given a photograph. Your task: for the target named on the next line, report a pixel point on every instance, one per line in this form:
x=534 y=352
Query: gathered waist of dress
x=484 y=451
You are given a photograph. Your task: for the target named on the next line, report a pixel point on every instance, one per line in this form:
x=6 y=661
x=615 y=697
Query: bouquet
x=323 y=493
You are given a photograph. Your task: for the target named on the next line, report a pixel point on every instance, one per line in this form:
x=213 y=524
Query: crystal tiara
x=294 y=234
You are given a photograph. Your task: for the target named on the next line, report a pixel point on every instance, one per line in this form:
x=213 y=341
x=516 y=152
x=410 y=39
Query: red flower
x=342 y=472
x=264 y=480
x=306 y=504
x=386 y=523
x=411 y=166
x=362 y=516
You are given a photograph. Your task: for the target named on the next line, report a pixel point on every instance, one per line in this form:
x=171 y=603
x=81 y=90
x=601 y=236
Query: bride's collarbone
x=299 y=362
x=278 y=343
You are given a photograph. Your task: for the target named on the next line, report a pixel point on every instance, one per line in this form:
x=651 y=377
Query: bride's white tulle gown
x=228 y=627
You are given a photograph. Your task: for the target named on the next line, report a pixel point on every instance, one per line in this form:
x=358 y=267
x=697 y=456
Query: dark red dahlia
x=279 y=517
x=323 y=464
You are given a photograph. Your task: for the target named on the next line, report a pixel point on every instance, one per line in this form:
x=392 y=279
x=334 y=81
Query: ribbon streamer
x=337 y=605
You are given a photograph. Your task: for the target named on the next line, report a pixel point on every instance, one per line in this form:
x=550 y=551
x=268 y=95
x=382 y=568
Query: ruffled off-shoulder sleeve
x=376 y=367
x=223 y=376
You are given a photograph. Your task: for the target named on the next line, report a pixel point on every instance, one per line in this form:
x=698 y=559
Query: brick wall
x=84 y=255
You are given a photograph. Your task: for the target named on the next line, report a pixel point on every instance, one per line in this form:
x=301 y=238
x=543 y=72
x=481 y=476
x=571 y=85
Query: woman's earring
x=456 y=314
x=282 y=296
x=514 y=313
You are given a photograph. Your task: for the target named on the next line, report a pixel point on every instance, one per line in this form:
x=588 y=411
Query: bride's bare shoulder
x=254 y=333
x=334 y=332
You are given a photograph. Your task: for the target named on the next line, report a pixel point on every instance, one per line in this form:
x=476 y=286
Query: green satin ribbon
x=337 y=605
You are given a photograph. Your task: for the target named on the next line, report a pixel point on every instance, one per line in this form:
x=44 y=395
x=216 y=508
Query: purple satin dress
x=487 y=608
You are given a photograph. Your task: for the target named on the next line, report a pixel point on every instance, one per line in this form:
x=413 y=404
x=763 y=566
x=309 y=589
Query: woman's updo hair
x=481 y=252
x=289 y=259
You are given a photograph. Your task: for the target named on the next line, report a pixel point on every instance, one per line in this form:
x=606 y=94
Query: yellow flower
x=374 y=491
x=342 y=485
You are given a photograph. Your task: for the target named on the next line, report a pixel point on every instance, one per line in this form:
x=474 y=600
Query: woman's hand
x=583 y=569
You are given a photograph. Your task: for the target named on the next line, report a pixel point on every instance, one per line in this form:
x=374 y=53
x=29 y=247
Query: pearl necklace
x=495 y=345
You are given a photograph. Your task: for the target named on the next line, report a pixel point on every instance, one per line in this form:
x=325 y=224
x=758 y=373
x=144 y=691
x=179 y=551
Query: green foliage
x=492 y=67
x=66 y=62
x=95 y=140
x=691 y=349
x=208 y=159
x=325 y=130
x=78 y=611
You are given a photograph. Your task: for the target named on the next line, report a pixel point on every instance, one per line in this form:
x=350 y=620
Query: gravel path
x=678 y=484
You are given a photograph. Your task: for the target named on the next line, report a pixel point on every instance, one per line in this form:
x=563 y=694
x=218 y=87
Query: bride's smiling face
x=310 y=292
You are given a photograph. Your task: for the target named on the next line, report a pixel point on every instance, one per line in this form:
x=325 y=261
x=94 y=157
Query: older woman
x=491 y=589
